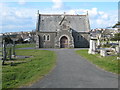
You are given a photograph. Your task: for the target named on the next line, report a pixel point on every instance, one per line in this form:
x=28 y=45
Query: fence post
x=13 y=48
x=10 y=53
x=4 y=52
x=118 y=50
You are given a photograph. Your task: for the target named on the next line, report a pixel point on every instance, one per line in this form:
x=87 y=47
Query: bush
x=7 y=39
x=116 y=37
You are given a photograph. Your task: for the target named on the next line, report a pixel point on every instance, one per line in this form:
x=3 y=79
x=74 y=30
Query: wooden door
x=64 y=42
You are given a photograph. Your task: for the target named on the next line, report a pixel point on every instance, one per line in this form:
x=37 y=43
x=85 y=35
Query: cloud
x=17 y=19
x=57 y=4
x=21 y=2
x=102 y=19
x=73 y=12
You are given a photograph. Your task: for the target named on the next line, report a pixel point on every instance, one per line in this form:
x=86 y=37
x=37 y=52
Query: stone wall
x=68 y=34
x=81 y=39
x=76 y=39
x=46 y=43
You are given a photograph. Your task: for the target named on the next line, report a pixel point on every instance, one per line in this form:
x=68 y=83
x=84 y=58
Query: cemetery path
x=73 y=71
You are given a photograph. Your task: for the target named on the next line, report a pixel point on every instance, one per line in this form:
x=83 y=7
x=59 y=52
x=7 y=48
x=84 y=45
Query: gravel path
x=73 y=71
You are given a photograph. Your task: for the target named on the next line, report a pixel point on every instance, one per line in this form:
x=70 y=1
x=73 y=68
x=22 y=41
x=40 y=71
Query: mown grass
x=26 y=73
x=109 y=63
x=25 y=45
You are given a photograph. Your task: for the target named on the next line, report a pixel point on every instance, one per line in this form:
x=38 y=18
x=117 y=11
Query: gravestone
x=103 y=52
x=118 y=50
x=4 y=52
x=98 y=43
x=13 y=53
x=10 y=53
x=92 y=49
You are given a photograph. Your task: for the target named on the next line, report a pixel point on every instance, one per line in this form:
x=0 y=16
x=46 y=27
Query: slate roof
x=52 y=22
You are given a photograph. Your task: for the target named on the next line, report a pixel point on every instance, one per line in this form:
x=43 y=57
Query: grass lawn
x=108 y=63
x=25 y=45
x=27 y=72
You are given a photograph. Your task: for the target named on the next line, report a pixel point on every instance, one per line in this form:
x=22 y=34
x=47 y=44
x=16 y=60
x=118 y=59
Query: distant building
x=117 y=26
x=62 y=31
x=17 y=35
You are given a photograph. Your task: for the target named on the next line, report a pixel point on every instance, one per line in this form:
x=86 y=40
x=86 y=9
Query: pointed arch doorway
x=64 y=42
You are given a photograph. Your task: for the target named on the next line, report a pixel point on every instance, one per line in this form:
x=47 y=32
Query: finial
x=64 y=13
x=87 y=12
x=38 y=12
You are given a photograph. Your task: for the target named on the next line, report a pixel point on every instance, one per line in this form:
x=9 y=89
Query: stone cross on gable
x=64 y=13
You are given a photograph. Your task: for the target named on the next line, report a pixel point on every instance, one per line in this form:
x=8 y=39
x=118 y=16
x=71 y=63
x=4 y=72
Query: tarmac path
x=73 y=71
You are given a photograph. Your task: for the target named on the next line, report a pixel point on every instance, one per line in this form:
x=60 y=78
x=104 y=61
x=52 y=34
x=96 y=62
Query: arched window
x=81 y=37
x=78 y=38
x=48 y=37
x=44 y=37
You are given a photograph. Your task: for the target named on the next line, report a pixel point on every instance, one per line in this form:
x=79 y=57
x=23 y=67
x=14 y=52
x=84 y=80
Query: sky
x=21 y=15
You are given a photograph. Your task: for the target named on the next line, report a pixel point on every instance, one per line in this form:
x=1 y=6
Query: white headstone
x=118 y=49
x=92 y=49
x=103 y=53
x=98 y=42
x=94 y=45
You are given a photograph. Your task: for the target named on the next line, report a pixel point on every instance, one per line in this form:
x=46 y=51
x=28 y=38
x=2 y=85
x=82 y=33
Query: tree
x=7 y=39
x=116 y=37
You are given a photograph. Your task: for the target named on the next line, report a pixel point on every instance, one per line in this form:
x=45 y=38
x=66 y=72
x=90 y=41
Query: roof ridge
x=61 y=14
